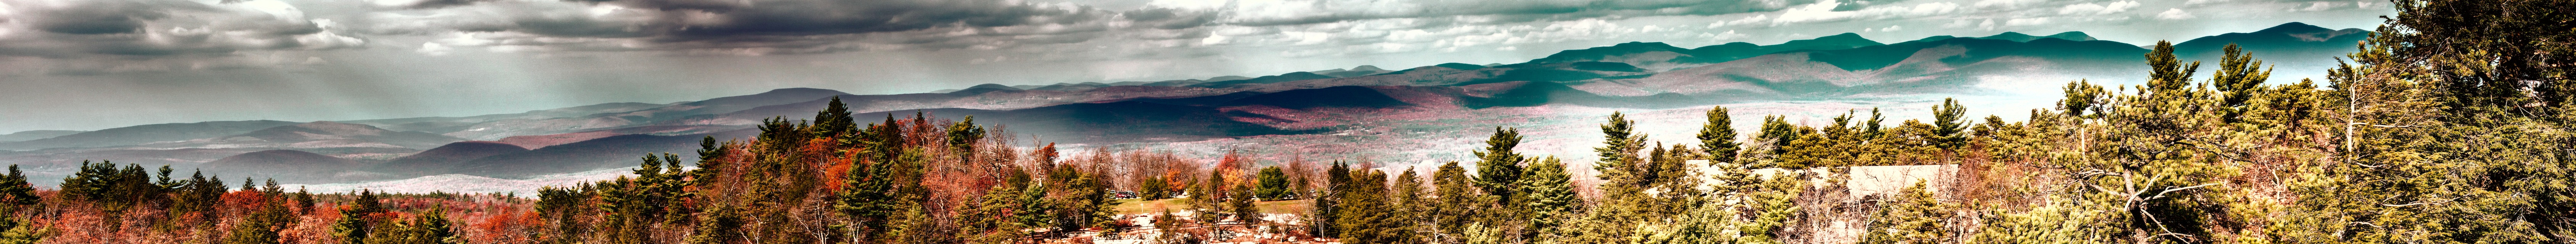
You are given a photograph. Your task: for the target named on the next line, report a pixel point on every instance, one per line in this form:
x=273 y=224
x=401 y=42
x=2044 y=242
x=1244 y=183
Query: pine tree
x=1458 y=199
x=1718 y=136
x=1368 y=217
x=1948 y=122
x=1274 y=184
x=1551 y=195
x=1912 y=216
x=15 y=191
x=718 y=225
x=356 y=222
x=1770 y=209
x=834 y=121
x=1498 y=166
x=1328 y=206
x=2239 y=80
x=1620 y=162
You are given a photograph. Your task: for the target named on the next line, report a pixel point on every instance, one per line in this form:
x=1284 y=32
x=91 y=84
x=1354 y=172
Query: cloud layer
x=131 y=34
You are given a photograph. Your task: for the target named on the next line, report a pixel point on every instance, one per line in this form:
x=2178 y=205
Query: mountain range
x=1313 y=111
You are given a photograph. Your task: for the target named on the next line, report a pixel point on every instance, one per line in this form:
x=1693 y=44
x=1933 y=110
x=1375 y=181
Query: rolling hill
x=140 y=134
x=35 y=134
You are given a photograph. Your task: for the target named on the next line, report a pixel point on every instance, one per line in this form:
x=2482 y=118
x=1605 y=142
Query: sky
x=95 y=64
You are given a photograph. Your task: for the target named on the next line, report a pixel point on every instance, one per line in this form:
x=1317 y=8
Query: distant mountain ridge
x=36 y=134
x=132 y=135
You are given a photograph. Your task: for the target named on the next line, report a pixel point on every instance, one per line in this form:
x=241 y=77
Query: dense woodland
x=2452 y=125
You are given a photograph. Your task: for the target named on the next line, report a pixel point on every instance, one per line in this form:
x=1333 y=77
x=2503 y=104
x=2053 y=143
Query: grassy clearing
x=1133 y=206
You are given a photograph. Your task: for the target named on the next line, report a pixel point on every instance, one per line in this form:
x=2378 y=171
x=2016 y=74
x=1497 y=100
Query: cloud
x=2026 y=21
x=1293 y=12
x=98 y=37
x=2321 y=6
x=426 y=4
x=2097 y=9
x=160 y=28
x=1828 y=11
x=433 y=49
x=777 y=26
x=2173 y=14
x=1820 y=11
x=2005 y=3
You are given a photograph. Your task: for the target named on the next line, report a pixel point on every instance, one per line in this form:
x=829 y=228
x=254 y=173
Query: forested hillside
x=2442 y=129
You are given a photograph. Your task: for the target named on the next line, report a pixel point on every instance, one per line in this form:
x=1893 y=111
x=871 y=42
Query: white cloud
x=1892 y=28
x=2005 y=3
x=2096 y=9
x=1820 y=11
x=1758 y=18
x=2173 y=14
x=433 y=49
x=1932 y=8
x=2026 y=21
x=2321 y=6
x=2199 y=2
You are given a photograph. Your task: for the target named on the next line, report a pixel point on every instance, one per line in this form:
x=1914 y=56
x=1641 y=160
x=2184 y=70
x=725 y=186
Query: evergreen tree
x=1368 y=216
x=2239 y=80
x=1458 y=200
x=1551 y=195
x=1718 y=136
x=356 y=222
x=1328 y=206
x=1948 y=123
x=1274 y=184
x=1498 y=166
x=833 y=122
x=1620 y=163
x=718 y=225
x=15 y=191
x=1912 y=216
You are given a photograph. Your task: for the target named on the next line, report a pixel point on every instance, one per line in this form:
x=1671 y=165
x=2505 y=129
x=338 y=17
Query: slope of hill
x=605 y=152
x=1465 y=74
x=35 y=134
x=1339 y=96
x=290 y=165
x=512 y=127
x=140 y=134
x=1291 y=76
x=2019 y=37
x=2297 y=49
x=1129 y=121
x=1953 y=65
x=1657 y=56
x=321 y=134
x=441 y=125
x=444 y=158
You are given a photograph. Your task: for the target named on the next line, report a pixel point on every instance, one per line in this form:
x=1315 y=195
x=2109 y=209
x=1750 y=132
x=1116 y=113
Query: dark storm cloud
x=1165 y=18
x=796 y=26
x=155 y=28
x=808 y=26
